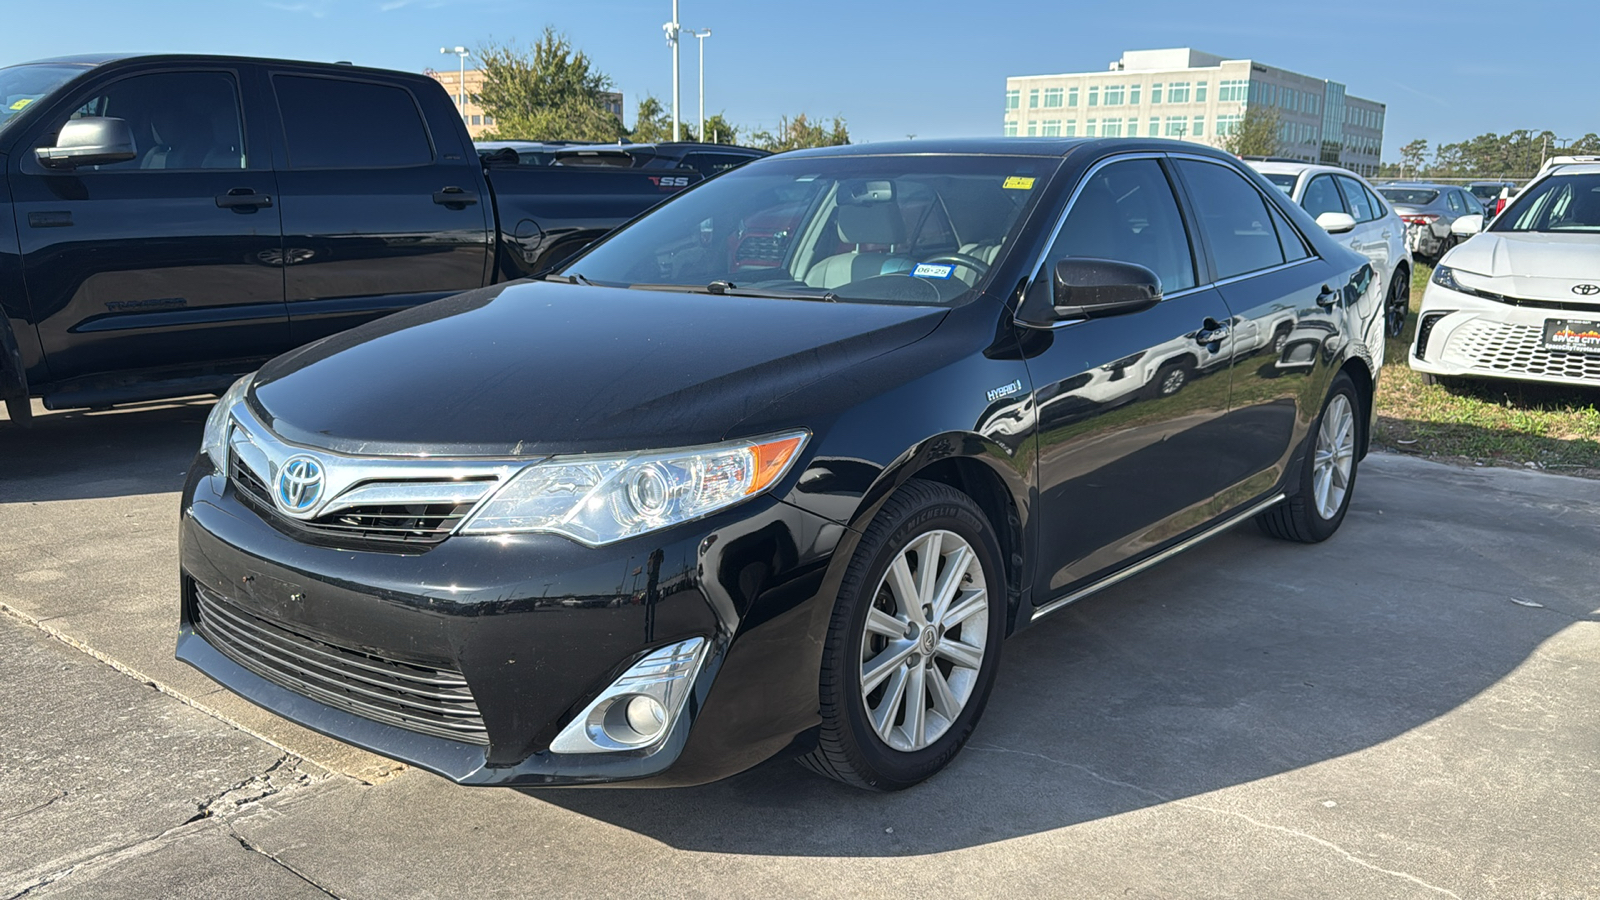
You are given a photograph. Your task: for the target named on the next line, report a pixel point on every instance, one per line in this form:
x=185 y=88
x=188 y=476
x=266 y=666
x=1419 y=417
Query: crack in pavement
x=60 y=795
x=1189 y=804
x=245 y=843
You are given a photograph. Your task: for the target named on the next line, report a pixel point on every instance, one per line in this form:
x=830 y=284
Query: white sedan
x=1522 y=299
x=1345 y=205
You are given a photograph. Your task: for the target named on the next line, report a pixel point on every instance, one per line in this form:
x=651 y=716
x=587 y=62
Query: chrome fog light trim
x=640 y=707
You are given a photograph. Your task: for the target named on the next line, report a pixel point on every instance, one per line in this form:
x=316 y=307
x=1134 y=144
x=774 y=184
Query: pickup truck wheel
x=1327 y=473
x=914 y=642
x=20 y=410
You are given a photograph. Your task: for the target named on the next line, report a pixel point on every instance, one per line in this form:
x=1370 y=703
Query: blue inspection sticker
x=932 y=270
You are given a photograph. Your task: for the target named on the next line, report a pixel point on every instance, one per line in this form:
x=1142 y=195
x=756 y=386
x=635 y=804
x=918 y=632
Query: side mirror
x=1467 y=225
x=1336 y=222
x=1095 y=288
x=90 y=141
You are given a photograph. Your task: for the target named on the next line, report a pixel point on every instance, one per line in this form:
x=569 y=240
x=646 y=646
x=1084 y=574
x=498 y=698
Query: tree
x=1256 y=134
x=1412 y=155
x=550 y=91
x=720 y=131
x=799 y=132
x=653 y=124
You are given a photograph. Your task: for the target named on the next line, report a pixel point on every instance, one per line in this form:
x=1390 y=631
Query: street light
x=461 y=83
x=672 y=29
x=701 y=36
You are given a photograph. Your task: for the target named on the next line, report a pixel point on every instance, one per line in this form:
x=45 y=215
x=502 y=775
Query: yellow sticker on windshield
x=1018 y=183
x=21 y=103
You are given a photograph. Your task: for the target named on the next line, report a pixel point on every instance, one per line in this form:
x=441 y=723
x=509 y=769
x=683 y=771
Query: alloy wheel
x=924 y=640
x=1173 y=381
x=1334 y=460
x=1399 y=305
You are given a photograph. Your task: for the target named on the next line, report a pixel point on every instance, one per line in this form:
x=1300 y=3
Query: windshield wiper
x=728 y=288
x=569 y=279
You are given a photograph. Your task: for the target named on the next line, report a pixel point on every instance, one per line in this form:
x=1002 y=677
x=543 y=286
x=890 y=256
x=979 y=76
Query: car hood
x=535 y=368
x=1534 y=266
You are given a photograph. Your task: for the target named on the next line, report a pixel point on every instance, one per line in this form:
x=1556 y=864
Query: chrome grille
x=419 y=698
x=1505 y=348
x=374 y=526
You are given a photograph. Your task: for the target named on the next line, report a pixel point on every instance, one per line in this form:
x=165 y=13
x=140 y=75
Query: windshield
x=1409 y=196
x=1558 y=203
x=1282 y=181
x=21 y=85
x=885 y=229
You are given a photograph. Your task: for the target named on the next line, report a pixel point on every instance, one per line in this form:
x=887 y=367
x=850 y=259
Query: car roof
x=1295 y=168
x=91 y=60
x=1575 y=169
x=1014 y=146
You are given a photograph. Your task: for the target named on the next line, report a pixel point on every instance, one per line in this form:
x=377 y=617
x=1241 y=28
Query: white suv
x=1522 y=299
x=1344 y=204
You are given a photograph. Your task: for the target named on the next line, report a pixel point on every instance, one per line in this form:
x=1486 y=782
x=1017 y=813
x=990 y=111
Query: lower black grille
x=419 y=698
x=391 y=527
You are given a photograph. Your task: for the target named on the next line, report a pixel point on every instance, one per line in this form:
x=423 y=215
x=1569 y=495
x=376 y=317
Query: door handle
x=1328 y=297
x=1386 y=234
x=1211 y=331
x=244 y=200
x=454 y=196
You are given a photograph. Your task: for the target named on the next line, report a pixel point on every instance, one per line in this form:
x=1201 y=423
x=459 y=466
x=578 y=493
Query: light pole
x=672 y=29
x=461 y=82
x=701 y=37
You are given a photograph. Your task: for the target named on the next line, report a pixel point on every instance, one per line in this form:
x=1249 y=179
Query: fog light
x=634 y=720
x=640 y=707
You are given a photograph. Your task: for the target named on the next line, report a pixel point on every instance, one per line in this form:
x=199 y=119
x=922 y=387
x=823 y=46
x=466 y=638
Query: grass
x=1486 y=422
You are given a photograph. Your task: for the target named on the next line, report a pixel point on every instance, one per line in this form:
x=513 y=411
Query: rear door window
x=1357 y=196
x=335 y=123
x=1233 y=217
x=1453 y=200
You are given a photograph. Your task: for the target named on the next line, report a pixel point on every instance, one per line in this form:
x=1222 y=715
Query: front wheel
x=1327 y=473
x=914 y=642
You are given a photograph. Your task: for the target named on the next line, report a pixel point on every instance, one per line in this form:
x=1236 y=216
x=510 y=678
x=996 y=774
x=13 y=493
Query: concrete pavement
x=1383 y=715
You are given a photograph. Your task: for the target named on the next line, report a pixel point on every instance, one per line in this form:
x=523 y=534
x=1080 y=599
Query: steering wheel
x=961 y=259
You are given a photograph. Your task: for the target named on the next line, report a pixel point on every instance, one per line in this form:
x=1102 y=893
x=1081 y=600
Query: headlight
x=599 y=499
x=215 y=442
x=1445 y=277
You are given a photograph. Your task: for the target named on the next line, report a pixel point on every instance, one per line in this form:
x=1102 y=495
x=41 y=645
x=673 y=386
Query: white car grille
x=1505 y=348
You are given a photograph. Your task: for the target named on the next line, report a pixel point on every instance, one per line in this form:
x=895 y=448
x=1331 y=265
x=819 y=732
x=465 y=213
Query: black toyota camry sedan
x=776 y=468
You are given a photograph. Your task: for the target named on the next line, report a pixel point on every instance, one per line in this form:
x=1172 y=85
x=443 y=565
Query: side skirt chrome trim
x=1168 y=553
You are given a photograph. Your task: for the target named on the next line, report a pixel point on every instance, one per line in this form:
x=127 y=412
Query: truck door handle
x=1211 y=331
x=1328 y=297
x=243 y=200
x=454 y=196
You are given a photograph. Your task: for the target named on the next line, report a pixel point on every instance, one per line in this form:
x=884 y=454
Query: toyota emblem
x=1586 y=290
x=299 y=484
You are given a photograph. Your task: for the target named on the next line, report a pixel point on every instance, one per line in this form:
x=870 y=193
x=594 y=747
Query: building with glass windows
x=465 y=92
x=1190 y=95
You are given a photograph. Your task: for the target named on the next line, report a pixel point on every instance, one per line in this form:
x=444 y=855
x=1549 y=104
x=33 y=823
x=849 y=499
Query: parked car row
x=706 y=159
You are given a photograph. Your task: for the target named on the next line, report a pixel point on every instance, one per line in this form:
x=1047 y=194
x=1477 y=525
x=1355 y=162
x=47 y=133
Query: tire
x=1171 y=378
x=1317 y=507
x=874 y=744
x=1397 y=307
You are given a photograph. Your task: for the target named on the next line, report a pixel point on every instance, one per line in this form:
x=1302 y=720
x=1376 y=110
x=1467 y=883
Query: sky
x=934 y=68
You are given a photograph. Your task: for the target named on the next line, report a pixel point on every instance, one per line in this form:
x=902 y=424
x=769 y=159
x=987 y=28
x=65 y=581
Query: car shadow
x=82 y=454
x=1241 y=660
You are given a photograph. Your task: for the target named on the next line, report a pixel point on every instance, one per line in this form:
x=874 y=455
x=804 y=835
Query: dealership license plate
x=1572 y=335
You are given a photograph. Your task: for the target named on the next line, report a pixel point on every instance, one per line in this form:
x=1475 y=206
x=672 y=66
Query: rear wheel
x=1399 y=304
x=914 y=642
x=1171 y=378
x=1327 y=474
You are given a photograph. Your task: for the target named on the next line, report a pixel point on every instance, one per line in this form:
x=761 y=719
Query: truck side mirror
x=89 y=141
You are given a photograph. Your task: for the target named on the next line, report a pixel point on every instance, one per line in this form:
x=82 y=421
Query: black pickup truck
x=168 y=222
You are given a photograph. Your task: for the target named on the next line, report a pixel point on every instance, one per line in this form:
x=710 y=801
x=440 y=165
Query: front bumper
x=1467 y=336
x=535 y=626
